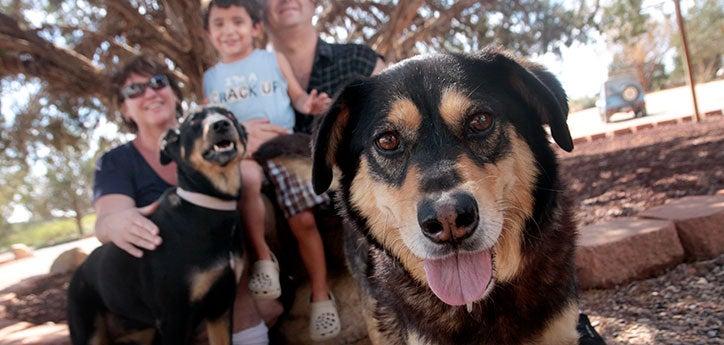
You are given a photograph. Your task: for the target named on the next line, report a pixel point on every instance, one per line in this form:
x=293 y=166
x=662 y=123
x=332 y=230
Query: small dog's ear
x=327 y=139
x=542 y=92
x=169 y=146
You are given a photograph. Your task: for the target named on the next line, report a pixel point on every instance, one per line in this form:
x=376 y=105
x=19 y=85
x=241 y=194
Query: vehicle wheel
x=630 y=93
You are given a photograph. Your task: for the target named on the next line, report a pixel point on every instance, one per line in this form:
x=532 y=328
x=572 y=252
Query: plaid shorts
x=293 y=194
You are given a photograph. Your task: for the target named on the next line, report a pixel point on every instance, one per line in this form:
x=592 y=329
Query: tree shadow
x=626 y=181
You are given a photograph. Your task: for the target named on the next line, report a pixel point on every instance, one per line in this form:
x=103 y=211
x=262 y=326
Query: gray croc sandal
x=324 y=321
x=264 y=279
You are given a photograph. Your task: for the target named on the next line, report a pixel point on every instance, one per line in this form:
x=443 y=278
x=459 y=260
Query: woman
x=129 y=178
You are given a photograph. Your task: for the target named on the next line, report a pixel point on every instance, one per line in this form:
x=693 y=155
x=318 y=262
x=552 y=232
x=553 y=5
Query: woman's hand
x=260 y=131
x=127 y=227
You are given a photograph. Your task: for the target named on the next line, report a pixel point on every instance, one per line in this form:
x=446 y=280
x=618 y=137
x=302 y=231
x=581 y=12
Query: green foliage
x=44 y=233
x=582 y=103
x=635 y=38
x=624 y=21
x=705 y=33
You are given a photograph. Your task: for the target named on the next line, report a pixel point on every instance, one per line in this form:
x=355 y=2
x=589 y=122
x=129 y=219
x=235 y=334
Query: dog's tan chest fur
x=203 y=280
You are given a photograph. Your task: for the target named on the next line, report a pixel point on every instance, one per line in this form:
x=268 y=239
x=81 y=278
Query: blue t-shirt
x=123 y=170
x=252 y=87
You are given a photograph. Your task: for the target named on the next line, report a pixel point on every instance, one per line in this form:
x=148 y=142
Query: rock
x=295 y=326
x=68 y=261
x=21 y=251
x=699 y=221
x=25 y=333
x=625 y=249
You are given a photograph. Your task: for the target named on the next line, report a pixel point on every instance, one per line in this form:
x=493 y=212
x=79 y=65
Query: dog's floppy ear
x=327 y=139
x=169 y=146
x=542 y=92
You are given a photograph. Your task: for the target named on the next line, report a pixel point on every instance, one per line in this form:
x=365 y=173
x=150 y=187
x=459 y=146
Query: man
x=316 y=64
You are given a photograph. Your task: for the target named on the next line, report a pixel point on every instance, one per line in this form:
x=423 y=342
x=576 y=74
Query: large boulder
x=21 y=251
x=68 y=261
x=699 y=221
x=625 y=249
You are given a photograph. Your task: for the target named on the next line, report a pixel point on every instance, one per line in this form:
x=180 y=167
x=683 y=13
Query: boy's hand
x=314 y=103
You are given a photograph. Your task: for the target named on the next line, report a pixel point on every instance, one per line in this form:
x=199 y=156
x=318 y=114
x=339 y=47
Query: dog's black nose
x=221 y=126
x=451 y=220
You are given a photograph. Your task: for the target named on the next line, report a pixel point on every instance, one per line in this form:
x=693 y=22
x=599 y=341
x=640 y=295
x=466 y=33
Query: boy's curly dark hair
x=253 y=7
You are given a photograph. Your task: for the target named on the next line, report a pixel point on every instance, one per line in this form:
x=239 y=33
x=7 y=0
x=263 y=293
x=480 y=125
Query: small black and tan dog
x=462 y=233
x=191 y=277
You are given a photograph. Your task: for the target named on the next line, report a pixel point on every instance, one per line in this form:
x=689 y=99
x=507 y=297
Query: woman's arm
x=119 y=220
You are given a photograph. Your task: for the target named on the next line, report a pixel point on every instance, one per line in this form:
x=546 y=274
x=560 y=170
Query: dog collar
x=204 y=200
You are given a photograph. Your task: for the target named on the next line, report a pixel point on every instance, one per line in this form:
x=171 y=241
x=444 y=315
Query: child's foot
x=264 y=279
x=324 y=321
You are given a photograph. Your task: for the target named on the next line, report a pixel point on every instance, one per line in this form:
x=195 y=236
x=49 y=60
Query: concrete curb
x=642 y=127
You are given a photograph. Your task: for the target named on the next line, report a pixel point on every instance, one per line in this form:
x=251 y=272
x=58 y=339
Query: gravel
x=683 y=306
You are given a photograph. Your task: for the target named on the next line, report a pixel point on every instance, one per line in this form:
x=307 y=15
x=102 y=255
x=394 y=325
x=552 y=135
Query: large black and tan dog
x=191 y=277
x=462 y=232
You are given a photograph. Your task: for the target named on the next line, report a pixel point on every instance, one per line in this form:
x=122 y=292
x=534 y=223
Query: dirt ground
x=607 y=179
x=626 y=175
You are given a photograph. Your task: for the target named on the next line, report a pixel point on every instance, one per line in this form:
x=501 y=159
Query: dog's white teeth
x=469 y=307
x=223 y=148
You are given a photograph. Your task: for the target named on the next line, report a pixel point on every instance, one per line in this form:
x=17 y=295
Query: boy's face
x=232 y=32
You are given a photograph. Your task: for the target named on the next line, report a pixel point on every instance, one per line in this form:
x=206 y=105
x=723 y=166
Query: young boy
x=254 y=84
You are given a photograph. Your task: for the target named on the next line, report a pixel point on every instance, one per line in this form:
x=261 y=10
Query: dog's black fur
x=446 y=154
x=189 y=278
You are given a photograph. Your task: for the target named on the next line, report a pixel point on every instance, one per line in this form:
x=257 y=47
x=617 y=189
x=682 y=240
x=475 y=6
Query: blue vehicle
x=621 y=94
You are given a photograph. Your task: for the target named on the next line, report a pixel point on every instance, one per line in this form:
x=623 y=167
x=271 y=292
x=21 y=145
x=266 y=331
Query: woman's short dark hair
x=253 y=7
x=144 y=66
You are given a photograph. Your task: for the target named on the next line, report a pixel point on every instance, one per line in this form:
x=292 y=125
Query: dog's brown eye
x=388 y=141
x=480 y=122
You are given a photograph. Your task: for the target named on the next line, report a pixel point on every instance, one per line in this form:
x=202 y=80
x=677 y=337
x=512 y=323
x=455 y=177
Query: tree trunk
x=78 y=216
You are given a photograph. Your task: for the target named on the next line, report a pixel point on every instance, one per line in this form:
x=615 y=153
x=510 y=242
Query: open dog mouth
x=221 y=152
x=462 y=277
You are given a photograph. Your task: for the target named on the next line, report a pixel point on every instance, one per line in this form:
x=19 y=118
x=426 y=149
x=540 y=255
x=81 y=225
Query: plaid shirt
x=334 y=66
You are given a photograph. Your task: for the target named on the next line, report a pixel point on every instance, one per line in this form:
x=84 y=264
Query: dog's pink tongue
x=461 y=278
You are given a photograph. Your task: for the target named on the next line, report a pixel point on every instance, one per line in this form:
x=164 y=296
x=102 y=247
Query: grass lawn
x=46 y=233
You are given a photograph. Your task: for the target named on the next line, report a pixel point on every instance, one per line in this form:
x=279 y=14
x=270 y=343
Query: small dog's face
x=209 y=142
x=441 y=158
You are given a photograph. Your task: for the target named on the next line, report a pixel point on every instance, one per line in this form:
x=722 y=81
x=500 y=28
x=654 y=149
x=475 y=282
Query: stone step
x=625 y=249
x=24 y=333
x=699 y=221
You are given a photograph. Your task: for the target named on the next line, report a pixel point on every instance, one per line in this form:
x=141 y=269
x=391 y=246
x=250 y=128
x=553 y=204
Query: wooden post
x=687 y=61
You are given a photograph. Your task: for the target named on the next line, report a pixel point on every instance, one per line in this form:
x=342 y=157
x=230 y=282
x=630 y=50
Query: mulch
x=625 y=175
x=610 y=178
x=37 y=299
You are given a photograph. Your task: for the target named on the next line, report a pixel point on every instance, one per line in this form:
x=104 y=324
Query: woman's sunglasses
x=156 y=82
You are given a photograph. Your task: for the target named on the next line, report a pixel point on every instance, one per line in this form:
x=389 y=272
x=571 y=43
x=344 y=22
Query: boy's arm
x=313 y=103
